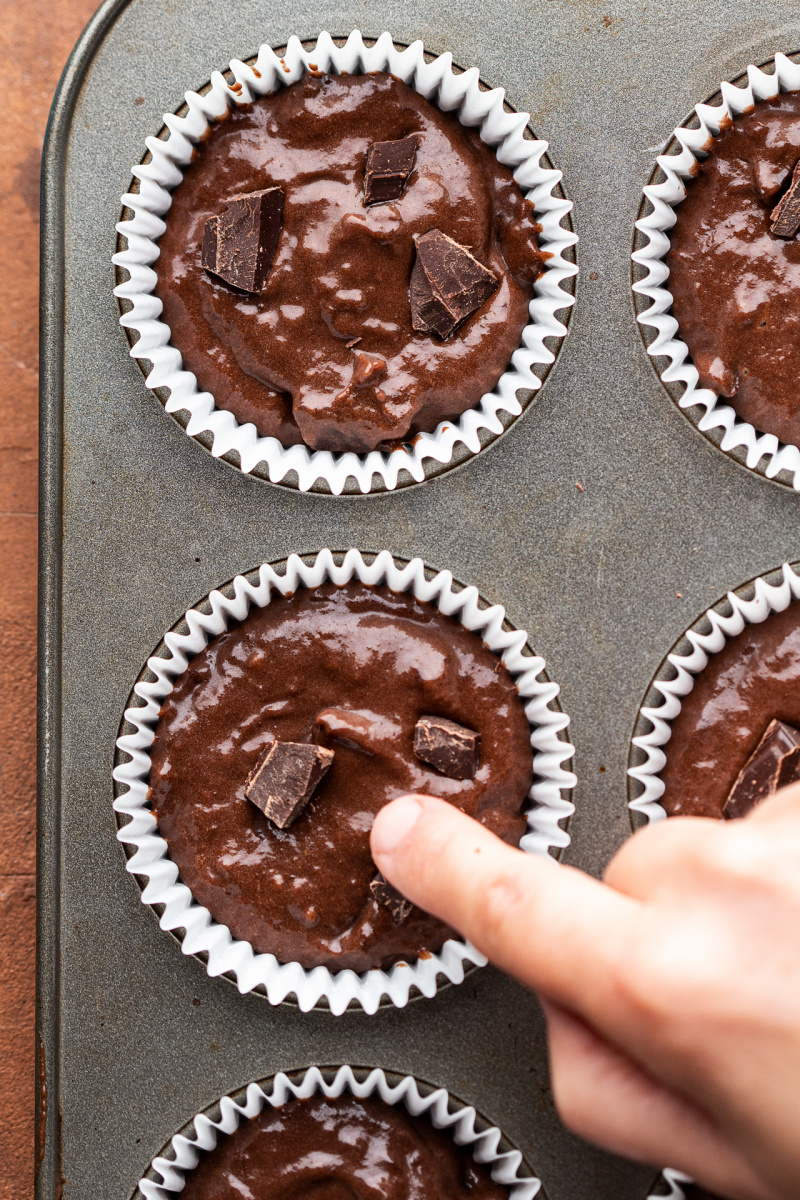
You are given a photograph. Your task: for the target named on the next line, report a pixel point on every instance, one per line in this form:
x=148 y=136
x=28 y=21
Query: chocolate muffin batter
x=735 y=284
x=340 y=1149
x=754 y=678
x=351 y=669
x=284 y=358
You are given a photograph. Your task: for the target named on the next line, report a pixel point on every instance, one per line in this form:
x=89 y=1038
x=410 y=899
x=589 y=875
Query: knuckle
x=640 y=989
x=651 y=852
x=738 y=854
x=674 y=987
x=685 y=851
x=498 y=903
x=650 y=983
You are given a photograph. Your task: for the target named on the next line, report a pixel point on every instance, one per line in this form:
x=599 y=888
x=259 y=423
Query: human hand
x=671 y=990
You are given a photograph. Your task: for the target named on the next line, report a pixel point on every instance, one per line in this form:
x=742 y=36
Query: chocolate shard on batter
x=239 y=244
x=367 y=367
x=447 y=284
x=450 y=748
x=785 y=216
x=774 y=763
x=390 y=898
x=284 y=778
x=387 y=168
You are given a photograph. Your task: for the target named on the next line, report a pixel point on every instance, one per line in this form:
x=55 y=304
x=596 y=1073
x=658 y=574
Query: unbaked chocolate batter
x=736 y=285
x=340 y=1149
x=754 y=678
x=280 y=358
x=352 y=669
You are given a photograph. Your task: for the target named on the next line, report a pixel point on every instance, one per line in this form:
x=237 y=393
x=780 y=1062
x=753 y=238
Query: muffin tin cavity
x=750 y=604
x=168 y=1171
x=146 y=208
x=546 y=808
x=760 y=452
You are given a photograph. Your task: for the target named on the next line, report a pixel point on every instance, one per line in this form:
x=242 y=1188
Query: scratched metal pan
x=139 y=523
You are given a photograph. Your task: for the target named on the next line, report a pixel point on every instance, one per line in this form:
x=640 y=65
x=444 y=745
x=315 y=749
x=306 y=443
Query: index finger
x=558 y=930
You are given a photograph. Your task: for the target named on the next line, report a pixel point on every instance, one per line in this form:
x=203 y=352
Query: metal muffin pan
x=138 y=524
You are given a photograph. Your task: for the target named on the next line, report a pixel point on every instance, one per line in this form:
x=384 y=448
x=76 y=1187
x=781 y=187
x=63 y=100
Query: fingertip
x=394 y=824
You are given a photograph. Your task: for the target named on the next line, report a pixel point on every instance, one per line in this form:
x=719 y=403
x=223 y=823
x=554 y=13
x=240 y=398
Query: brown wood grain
x=35 y=40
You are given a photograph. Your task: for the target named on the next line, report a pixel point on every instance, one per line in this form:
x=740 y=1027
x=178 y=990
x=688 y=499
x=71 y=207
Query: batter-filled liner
x=179 y=1158
x=351 y=670
x=715 y=418
x=325 y=350
x=544 y=809
x=676 y=679
x=321 y=469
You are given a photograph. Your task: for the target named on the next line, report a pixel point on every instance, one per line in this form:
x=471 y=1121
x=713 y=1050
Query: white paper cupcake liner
x=672 y=1180
x=707 y=636
x=439 y=83
x=202 y=935
x=185 y=1149
x=718 y=419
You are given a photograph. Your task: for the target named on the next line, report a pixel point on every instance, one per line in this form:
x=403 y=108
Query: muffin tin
x=467 y=1128
x=138 y=524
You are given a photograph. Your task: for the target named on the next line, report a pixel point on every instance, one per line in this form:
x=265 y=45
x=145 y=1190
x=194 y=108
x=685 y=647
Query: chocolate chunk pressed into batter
x=239 y=244
x=785 y=216
x=448 y=284
x=284 y=778
x=283 y=358
x=340 y=1149
x=753 y=680
x=448 y=747
x=350 y=669
x=387 y=895
x=387 y=168
x=775 y=763
x=735 y=282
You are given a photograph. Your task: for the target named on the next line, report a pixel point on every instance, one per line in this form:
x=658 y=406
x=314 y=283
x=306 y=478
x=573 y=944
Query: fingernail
x=394 y=823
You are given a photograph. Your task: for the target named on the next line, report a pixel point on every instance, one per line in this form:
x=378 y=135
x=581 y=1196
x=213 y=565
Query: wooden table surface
x=36 y=37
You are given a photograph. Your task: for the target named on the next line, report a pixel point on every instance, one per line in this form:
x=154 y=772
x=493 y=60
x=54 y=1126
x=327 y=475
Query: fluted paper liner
x=438 y=1106
x=440 y=84
x=673 y=1180
x=226 y=955
x=768 y=598
x=665 y=197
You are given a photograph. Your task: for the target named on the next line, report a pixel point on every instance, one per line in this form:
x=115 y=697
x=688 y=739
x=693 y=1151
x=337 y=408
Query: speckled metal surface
x=139 y=523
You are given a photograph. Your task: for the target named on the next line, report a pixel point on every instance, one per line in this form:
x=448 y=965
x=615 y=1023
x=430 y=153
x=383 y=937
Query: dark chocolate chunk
x=450 y=748
x=785 y=216
x=390 y=898
x=774 y=763
x=447 y=284
x=387 y=169
x=239 y=244
x=284 y=778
